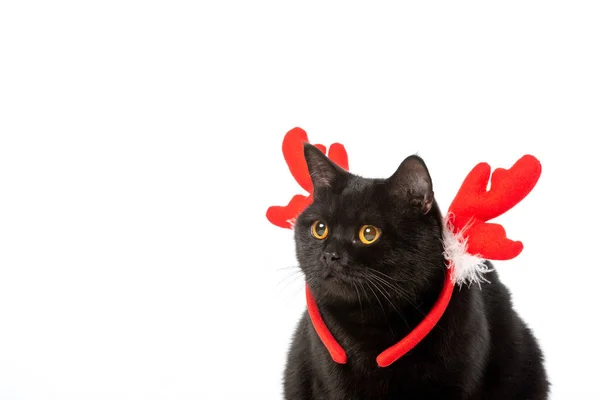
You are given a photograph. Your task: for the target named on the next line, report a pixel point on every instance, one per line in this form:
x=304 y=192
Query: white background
x=140 y=148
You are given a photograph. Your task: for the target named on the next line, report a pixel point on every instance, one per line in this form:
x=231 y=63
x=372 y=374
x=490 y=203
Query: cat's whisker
x=386 y=297
x=369 y=283
x=359 y=300
x=404 y=297
x=288 y=268
x=297 y=291
x=308 y=279
x=383 y=274
x=397 y=289
x=364 y=292
x=401 y=292
x=293 y=275
x=290 y=279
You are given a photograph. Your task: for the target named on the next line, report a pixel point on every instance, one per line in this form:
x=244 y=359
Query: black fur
x=371 y=296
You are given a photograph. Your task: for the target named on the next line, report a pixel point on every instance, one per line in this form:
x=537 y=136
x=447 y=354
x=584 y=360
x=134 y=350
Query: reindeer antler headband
x=469 y=238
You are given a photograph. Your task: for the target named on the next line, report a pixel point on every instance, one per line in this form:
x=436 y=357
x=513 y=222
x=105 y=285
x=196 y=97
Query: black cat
x=372 y=254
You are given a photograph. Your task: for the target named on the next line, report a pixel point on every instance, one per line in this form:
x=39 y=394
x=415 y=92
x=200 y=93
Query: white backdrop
x=140 y=148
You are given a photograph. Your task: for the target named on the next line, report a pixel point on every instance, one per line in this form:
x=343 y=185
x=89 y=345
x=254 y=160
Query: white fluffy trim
x=468 y=268
x=292 y=223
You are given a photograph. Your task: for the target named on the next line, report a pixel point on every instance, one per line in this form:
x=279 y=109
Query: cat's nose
x=330 y=257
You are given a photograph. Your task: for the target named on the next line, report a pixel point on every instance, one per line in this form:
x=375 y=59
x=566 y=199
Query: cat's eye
x=369 y=234
x=319 y=230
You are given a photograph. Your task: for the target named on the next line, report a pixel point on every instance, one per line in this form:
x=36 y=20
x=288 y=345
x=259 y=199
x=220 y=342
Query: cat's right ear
x=324 y=173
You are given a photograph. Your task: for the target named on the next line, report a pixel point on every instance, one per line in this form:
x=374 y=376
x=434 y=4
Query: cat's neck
x=379 y=319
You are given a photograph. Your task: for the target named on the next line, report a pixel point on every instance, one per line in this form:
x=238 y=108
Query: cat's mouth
x=337 y=275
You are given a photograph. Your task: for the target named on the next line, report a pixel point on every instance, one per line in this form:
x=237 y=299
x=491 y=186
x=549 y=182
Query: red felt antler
x=474 y=205
x=293 y=153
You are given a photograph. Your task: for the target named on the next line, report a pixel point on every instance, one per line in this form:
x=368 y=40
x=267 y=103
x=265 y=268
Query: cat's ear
x=412 y=182
x=323 y=172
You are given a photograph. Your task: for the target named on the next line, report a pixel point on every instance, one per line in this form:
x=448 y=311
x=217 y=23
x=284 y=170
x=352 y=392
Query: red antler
x=474 y=205
x=293 y=153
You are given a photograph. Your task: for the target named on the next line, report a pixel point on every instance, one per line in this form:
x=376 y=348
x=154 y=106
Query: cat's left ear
x=412 y=182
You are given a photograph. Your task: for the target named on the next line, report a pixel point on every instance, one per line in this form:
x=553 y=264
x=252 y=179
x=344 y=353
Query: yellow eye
x=368 y=234
x=319 y=230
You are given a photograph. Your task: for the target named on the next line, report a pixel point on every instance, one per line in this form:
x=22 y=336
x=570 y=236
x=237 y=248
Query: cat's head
x=365 y=235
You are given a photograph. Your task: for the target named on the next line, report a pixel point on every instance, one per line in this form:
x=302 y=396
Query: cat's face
x=370 y=236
